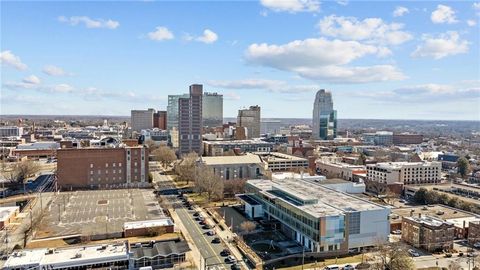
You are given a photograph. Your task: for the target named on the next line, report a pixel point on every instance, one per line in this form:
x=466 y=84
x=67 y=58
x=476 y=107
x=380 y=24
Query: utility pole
x=303 y=255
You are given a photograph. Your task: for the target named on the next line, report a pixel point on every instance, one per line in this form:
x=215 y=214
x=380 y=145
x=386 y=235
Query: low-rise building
x=113 y=256
x=218 y=148
x=7 y=215
x=148 y=227
x=247 y=166
x=275 y=161
x=428 y=233
x=339 y=169
x=407 y=138
x=158 y=255
x=10 y=131
x=321 y=219
x=474 y=232
x=407 y=173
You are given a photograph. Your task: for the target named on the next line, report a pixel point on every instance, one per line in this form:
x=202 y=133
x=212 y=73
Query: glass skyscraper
x=324 y=125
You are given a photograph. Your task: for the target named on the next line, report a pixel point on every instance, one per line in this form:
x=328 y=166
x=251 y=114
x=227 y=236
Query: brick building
x=474 y=232
x=148 y=227
x=160 y=120
x=428 y=233
x=103 y=167
x=406 y=138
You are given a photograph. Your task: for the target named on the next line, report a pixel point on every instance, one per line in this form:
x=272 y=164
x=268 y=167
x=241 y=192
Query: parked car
x=448 y=255
x=230 y=259
x=196 y=214
x=210 y=233
x=476 y=245
x=235 y=267
x=202 y=222
x=413 y=253
x=216 y=240
x=397 y=232
x=225 y=252
x=206 y=227
x=332 y=267
x=349 y=267
x=460 y=254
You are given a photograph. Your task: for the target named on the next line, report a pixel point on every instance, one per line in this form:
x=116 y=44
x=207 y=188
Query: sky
x=380 y=59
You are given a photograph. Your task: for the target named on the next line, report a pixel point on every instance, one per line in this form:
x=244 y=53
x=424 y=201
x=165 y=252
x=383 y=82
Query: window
x=106 y=171
x=91 y=172
x=113 y=164
x=114 y=171
x=119 y=164
x=91 y=165
x=106 y=165
x=120 y=171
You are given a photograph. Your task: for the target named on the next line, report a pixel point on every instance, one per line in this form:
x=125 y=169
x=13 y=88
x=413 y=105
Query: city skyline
x=410 y=61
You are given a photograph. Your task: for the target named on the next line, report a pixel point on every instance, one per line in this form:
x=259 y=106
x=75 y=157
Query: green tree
x=463 y=167
x=420 y=196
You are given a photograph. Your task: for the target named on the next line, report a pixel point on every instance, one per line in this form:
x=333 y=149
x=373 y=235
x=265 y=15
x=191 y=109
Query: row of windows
x=106 y=165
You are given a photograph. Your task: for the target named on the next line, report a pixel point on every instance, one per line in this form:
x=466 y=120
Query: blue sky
x=386 y=60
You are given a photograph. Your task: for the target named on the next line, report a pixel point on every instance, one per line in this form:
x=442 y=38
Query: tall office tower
x=190 y=121
x=172 y=110
x=250 y=119
x=160 y=120
x=212 y=109
x=324 y=116
x=142 y=119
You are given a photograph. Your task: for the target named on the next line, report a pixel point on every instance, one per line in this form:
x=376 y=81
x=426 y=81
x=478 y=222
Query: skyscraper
x=250 y=119
x=172 y=110
x=160 y=120
x=190 y=121
x=142 y=119
x=212 y=109
x=324 y=116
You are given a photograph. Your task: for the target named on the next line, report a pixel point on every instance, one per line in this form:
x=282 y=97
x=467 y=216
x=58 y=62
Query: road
x=209 y=251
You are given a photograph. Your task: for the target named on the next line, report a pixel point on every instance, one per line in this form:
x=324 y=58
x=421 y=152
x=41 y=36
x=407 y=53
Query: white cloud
x=443 y=14
x=342 y=2
x=9 y=59
x=371 y=30
x=431 y=92
x=88 y=22
x=161 y=33
x=445 y=44
x=208 y=37
x=400 y=11
x=61 y=88
x=54 y=71
x=324 y=60
x=292 y=6
x=476 y=6
x=270 y=85
x=32 y=79
x=231 y=96
x=471 y=22
x=28 y=84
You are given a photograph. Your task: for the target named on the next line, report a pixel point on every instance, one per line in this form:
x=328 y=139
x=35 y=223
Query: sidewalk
x=226 y=236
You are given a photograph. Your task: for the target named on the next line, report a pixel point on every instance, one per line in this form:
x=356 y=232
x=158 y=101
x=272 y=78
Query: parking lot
x=97 y=212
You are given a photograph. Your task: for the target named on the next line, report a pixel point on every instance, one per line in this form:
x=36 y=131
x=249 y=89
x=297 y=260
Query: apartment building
x=103 y=167
x=407 y=138
x=250 y=119
x=428 y=233
x=321 y=219
x=408 y=173
x=190 y=121
x=142 y=119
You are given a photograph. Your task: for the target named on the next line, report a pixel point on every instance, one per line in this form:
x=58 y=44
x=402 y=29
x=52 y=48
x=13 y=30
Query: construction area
x=97 y=214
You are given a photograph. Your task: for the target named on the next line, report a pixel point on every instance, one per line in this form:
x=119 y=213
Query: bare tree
x=390 y=197
x=234 y=186
x=186 y=168
x=21 y=171
x=151 y=145
x=164 y=154
x=206 y=181
x=453 y=265
x=248 y=226
x=392 y=256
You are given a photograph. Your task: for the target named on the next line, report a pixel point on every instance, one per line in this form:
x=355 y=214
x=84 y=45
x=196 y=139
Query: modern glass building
x=212 y=109
x=172 y=110
x=319 y=218
x=324 y=118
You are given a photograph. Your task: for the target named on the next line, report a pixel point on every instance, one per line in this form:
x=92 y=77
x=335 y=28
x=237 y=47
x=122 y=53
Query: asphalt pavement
x=210 y=252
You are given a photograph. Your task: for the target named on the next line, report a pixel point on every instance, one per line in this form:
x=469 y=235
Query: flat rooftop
x=275 y=156
x=435 y=210
x=65 y=257
x=313 y=198
x=429 y=221
x=239 y=142
x=399 y=165
x=6 y=211
x=147 y=223
x=224 y=160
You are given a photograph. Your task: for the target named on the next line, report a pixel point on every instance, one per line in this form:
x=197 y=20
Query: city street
x=209 y=251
